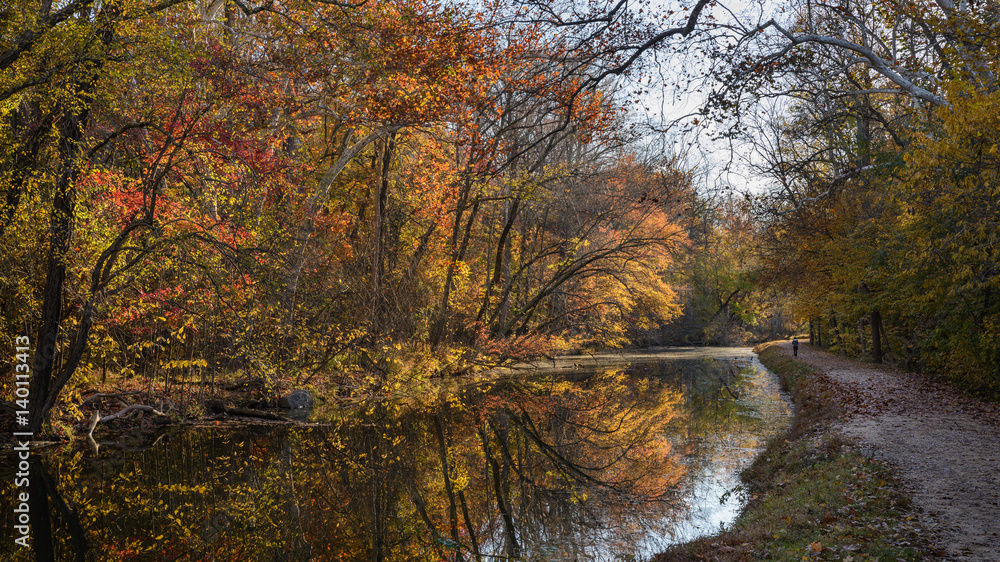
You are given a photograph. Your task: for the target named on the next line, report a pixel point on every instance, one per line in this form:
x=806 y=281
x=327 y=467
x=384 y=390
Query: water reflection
x=608 y=464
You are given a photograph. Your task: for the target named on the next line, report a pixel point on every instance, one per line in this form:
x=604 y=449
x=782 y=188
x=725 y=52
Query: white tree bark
x=868 y=55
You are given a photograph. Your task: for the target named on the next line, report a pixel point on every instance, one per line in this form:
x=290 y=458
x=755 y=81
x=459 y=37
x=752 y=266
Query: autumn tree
x=297 y=187
x=61 y=69
x=870 y=91
x=727 y=295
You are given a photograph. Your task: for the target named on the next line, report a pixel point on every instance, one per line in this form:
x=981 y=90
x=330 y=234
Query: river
x=598 y=457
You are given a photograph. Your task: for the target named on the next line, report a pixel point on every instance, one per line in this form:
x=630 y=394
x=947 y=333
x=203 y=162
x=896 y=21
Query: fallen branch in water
x=93 y=424
x=729 y=390
x=124 y=411
x=100 y=395
x=96 y=419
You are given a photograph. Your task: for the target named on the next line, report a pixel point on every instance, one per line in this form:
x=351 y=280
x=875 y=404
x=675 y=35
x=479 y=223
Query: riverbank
x=815 y=493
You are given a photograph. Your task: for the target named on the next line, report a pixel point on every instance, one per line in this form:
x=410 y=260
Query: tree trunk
x=458 y=254
x=446 y=474
x=72 y=124
x=52 y=305
x=379 y=233
x=501 y=268
x=835 y=326
x=510 y=533
x=886 y=349
x=41 y=522
x=304 y=231
x=876 y=322
x=469 y=525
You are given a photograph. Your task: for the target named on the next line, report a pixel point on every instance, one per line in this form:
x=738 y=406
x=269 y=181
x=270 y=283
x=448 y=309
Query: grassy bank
x=813 y=494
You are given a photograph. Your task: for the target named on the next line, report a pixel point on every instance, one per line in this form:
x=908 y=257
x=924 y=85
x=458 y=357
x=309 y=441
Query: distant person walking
x=795 y=347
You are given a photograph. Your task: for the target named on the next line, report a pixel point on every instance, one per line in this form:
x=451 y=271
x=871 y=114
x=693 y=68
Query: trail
x=945 y=445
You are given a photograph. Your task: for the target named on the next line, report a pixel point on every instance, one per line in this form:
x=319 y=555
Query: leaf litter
x=945 y=446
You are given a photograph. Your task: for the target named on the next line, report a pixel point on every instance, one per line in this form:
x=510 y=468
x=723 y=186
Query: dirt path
x=946 y=446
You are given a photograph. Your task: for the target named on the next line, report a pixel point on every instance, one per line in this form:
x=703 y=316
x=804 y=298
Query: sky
x=674 y=94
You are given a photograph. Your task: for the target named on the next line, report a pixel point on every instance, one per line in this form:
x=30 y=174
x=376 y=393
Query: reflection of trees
x=521 y=466
x=201 y=495
x=608 y=441
x=49 y=510
x=720 y=434
x=504 y=471
x=515 y=468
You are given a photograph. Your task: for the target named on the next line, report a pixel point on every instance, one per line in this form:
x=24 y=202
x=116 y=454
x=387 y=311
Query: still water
x=597 y=458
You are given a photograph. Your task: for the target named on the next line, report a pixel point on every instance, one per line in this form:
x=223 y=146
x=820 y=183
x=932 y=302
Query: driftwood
x=93 y=423
x=96 y=419
x=215 y=406
x=730 y=391
x=130 y=409
x=100 y=395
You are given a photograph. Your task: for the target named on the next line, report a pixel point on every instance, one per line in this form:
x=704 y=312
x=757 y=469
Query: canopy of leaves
x=328 y=188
